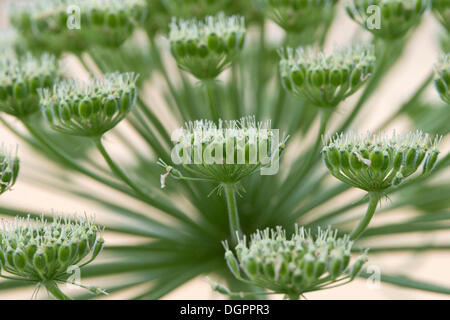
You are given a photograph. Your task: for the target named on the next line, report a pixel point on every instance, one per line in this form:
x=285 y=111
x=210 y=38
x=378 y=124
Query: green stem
x=233 y=214
x=212 y=107
x=312 y=155
x=53 y=288
x=374 y=198
x=116 y=169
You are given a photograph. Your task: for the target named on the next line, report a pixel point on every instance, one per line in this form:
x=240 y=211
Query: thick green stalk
x=212 y=107
x=233 y=214
x=374 y=198
x=53 y=288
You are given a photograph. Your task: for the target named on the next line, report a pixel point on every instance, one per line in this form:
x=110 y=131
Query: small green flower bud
x=220 y=288
x=64 y=253
x=430 y=161
x=39 y=261
x=398 y=179
x=357 y=266
x=86 y=108
x=376 y=159
x=20 y=260
x=232 y=263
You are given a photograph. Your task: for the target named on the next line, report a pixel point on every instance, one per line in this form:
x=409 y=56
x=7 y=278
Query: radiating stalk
x=374 y=198
x=233 y=214
x=212 y=107
x=53 y=288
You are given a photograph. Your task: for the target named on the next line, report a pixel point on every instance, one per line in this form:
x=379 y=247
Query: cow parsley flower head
x=375 y=162
x=20 y=79
x=442 y=77
x=206 y=48
x=226 y=152
x=326 y=80
x=293 y=265
x=9 y=168
x=441 y=10
x=89 y=109
x=298 y=15
x=42 y=250
x=388 y=19
x=63 y=25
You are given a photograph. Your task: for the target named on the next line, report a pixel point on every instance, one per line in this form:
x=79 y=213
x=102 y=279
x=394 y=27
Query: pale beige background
x=407 y=75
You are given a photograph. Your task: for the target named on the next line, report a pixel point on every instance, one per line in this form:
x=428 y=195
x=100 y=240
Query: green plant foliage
x=196 y=69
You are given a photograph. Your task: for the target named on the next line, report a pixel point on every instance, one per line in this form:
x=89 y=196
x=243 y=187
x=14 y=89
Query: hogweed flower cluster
x=441 y=9
x=89 y=109
x=298 y=15
x=206 y=48
x=387 y=19
x=41 y=250
x=376 y=162
x=227 y=152
x=9 y=168
x=294 y=265
x=326 y=80
x=442 y=77
x=20 y=79
x=73 y=25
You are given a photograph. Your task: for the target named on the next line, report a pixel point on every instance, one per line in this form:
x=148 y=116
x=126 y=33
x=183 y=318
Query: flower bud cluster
x=41 y=250
x=326 y=80
x=388 y=19
x=298 y=15
x=294 y=265
x=229 y=152
x=442 y=77
x=89 y=109
x=75 y=24
x=20 y=79
x=441 y=10
x=9 y=168
x=375 y=162
x=206 y=48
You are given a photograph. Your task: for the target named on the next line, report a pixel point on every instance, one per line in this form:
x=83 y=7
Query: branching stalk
x=374 y=198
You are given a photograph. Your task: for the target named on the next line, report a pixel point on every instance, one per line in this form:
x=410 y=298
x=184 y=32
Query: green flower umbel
x=20 y=79
x=51 y=25
x=45 y=251
x=298 y=15
x=9 y=168
x=387 y=19
x=304 y=262
x=441 y=10
x=89 y=109
x=375 y=162
x=442 y=77
x=227 y=152
x=206 y=48
x=326 y=80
